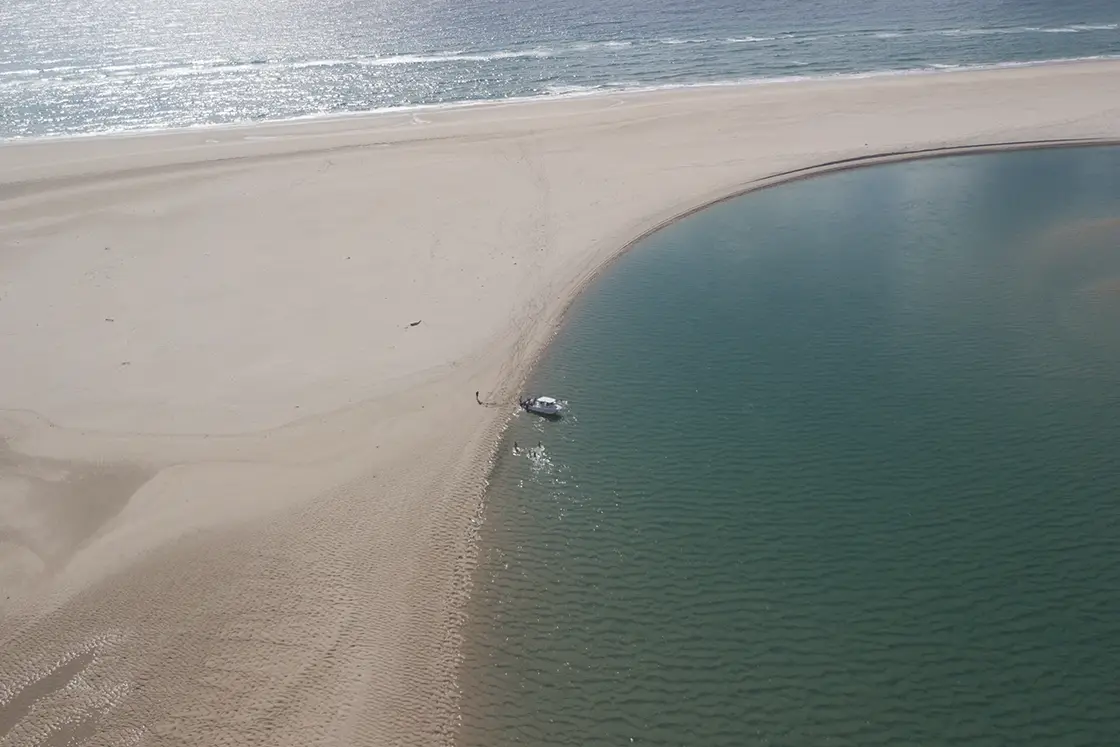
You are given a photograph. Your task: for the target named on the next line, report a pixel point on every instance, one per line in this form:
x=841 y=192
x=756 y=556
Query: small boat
x=546 y=406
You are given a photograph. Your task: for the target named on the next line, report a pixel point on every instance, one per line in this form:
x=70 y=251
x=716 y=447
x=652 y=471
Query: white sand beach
x=238 y=480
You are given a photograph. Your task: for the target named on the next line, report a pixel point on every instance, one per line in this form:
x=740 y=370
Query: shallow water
x=81 y=66
x=839 y=468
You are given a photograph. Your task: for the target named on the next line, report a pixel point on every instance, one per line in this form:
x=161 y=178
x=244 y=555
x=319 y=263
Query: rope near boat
x=485 y=403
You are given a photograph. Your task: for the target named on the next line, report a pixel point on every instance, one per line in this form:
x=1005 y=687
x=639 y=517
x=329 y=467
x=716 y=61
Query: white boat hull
x=543 y=406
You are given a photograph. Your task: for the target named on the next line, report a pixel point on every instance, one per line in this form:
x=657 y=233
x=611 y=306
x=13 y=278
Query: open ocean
x=87 y=66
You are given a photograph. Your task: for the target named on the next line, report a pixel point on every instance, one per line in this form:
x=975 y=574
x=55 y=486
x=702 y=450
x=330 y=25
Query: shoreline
x=465 y=574
x=591 y=92
x=375 y=551
x=540 y=504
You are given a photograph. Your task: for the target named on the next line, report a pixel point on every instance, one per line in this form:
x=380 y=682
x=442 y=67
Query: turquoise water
x=840 y=468
x=82 y=66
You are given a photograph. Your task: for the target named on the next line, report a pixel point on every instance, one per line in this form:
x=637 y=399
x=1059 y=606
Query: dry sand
x=237 y=488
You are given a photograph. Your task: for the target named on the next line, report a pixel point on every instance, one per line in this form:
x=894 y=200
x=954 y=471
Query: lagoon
x=839 y=468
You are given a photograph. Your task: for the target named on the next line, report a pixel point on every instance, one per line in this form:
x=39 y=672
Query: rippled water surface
x=840 y=468
x=80 y=66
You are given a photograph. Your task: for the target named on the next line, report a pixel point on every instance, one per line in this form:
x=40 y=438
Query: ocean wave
x=33 y=71
x=435 y=58
x=1075 y=28
x=1000 y=30
x=429 y=59
x=571 y=90
x=125 y=68
x=983 y=31
x=229 y=66
x=674 y=41
x=585 y=46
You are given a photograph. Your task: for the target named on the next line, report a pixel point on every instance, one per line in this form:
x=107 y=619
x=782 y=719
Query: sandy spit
x=237 y=483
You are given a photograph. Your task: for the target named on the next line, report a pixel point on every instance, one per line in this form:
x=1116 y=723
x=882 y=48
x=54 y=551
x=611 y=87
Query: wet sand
x=238 y=481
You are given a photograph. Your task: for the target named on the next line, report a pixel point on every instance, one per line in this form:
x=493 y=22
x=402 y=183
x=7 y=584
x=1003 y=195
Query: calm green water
x=842 y=468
